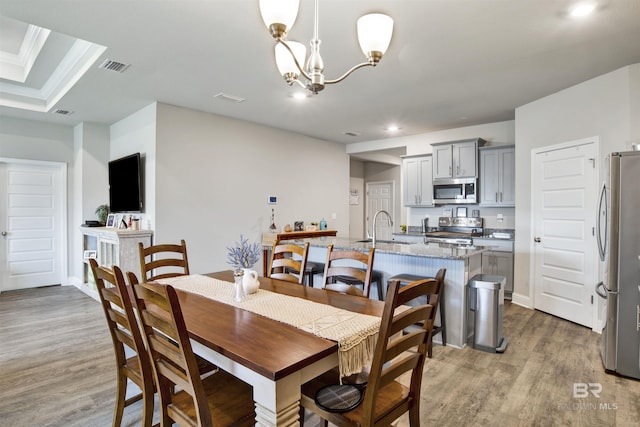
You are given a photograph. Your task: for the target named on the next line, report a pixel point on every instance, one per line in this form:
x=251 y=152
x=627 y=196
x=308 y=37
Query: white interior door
x=380 y=197
x=564 y=205
x=32 y=199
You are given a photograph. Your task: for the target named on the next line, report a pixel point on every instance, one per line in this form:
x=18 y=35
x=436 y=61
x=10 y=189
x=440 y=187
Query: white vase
x=250 y=281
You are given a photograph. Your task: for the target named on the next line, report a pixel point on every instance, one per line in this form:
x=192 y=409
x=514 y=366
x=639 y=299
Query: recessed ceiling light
x=392 y=128
x=582 y=9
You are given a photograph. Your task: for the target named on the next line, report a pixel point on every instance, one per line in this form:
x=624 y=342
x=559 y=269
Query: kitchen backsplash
x=493 y=217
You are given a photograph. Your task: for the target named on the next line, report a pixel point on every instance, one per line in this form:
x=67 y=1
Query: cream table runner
x=355 y=333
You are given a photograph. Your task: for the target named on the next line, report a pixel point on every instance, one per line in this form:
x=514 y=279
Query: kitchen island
x=461 y=262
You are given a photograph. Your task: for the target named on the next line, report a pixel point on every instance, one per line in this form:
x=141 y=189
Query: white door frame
x=596 y=325
x=366 y=203
x=64 y=268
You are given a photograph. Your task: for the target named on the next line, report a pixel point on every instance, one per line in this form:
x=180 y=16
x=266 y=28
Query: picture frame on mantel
x=111 y=221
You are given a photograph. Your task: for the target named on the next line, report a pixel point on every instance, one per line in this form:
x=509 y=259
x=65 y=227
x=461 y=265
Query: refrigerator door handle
x=602 y=246
x=603 y=293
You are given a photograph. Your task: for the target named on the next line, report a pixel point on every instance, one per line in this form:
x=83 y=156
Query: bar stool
x=312 y=269
x=405 y=279
x=376 y=276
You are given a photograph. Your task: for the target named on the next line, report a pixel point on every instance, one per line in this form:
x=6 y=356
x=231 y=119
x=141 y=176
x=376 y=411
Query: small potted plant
x=243 y=254
x=102 y=212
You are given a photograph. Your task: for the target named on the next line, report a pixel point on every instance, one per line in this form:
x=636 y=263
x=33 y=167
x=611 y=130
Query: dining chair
x=124 y=330
x=288 y=262
x=186 y=398
x=163 y=261
x=436 y=299
x=386 y=397
x=347 y=268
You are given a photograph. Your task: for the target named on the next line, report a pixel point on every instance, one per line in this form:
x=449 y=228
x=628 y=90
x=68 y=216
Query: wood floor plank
x=57 y=369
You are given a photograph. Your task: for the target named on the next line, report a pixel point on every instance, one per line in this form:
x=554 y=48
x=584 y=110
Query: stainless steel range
x=455 y=230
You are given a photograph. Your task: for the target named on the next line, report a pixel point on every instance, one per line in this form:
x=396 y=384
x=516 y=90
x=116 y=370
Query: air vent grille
x=116 y=66
x=63 y=112
x=227 y=97
x=351 y=133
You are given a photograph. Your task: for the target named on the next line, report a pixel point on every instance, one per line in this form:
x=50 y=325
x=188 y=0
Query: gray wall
x=604 y=107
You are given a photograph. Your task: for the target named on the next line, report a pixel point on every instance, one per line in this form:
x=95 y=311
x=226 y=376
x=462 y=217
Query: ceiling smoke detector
x=116 y=66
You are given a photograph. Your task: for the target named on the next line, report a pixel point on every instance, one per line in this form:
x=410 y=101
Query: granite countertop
x=430 y=250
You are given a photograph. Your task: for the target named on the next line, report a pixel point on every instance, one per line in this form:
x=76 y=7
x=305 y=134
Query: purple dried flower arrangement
x=243 y=254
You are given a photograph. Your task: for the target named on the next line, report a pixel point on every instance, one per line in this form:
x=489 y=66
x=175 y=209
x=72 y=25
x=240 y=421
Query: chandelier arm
x=345 y=75
x=295 y=60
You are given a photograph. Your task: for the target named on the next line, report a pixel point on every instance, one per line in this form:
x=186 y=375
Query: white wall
x=356 y=211
x=90 y=186
x=498 y=133
x=214 y=175
x=26 y=139
x=137 y=134
x=599 y=107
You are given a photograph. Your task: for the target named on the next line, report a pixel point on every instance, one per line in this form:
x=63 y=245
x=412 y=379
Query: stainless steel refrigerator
x=618 y=237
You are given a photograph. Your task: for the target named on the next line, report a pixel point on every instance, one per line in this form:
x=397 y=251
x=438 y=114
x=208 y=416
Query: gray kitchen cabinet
x=457 y=159
x=497 y=176
x=418 y=186
x=498 y=260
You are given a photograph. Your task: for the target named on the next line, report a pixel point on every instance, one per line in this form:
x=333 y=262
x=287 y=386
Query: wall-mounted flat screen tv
x=125 y=184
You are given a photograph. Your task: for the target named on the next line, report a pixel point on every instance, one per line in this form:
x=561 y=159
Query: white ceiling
x=451 y=63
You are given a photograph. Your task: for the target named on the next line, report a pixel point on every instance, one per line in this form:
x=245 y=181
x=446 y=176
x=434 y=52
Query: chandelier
x=374 y=36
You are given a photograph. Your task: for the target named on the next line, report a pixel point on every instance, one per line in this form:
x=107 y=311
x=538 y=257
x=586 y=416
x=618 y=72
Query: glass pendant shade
x=284 y=60
x=374 y=32
x=279 y=12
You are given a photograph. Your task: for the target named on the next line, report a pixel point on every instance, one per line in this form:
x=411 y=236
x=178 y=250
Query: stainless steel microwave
x=455 y=191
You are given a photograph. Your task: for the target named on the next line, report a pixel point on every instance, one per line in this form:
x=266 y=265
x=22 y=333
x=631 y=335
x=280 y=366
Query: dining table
x=275 y=358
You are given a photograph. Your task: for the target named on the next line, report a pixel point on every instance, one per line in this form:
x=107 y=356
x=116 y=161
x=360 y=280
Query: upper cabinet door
x=426 y=181
x=489 y=176
x=442 y=161
x=508 y=177
x=417 y=183
x=411 y=175
x=497 y=176
x=465 y=159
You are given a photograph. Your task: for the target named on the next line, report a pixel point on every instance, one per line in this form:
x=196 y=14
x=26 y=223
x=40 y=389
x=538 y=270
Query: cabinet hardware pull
x=537 y=240
x=501 y=197
x=496 y=197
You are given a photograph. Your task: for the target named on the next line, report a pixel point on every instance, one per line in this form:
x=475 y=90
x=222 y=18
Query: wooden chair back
x=185 y=398
x=123 y=327
x=174 y=363
x=434 y=299
x=288 y=262
x=354 y=265
x=394 y=380
x=395 y=356
x=163 y=261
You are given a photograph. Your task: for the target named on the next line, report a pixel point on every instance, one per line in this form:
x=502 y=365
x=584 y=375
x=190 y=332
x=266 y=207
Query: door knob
x=4 y=233
x=537 y=239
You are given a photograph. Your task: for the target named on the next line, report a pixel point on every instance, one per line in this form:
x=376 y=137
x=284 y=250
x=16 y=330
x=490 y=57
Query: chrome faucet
x=375 y=218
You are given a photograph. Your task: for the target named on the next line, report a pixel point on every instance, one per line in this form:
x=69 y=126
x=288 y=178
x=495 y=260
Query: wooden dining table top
x=270 y=348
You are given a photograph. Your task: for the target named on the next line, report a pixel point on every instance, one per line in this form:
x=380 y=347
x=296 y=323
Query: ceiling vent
x=63 y=112
x=351 y=133
x=228 y=97
x=116 y=66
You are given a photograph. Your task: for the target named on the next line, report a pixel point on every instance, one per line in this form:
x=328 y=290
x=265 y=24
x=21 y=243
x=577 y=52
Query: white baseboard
x=522 y=300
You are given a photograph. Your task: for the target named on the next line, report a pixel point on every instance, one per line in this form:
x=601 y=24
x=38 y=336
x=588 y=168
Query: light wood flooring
x=56 y=369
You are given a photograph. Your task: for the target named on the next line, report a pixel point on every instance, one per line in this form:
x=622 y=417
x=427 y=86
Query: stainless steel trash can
x=486 y=310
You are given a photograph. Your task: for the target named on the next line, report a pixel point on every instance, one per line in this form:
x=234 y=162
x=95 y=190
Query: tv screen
x=125 y=183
